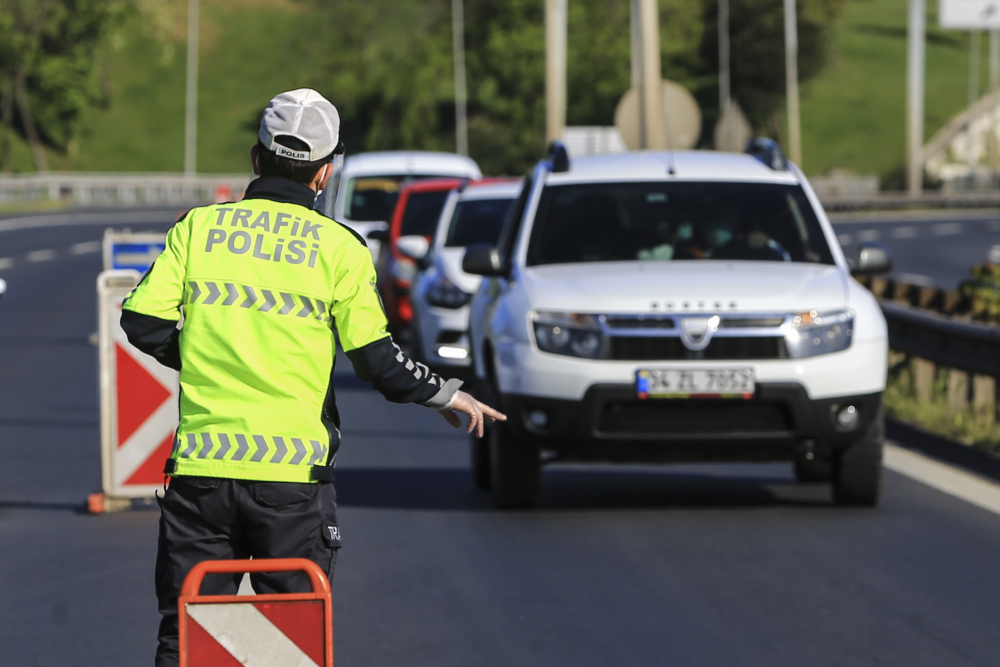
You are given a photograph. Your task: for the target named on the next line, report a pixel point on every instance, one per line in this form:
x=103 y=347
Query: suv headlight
x=569 y=334
x=812 y=333
x=445 y=294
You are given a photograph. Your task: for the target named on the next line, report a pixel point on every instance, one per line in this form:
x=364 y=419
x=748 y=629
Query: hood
x=449 y=262
x=694 y=286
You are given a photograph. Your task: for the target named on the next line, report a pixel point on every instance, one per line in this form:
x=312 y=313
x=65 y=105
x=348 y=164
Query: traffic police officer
x=263 y=285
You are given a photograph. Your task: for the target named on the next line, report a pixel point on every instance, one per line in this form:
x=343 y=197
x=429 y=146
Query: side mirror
x=873 y=258
x=415 y=247
x=380 y=235
x=482 y=260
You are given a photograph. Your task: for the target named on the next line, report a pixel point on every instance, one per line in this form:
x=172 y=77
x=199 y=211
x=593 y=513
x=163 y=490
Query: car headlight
x=445 y=294
x=812 y=333
x=570 y=334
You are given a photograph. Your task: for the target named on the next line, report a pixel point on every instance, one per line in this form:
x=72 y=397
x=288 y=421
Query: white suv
x=472 y=215
x=676 y=306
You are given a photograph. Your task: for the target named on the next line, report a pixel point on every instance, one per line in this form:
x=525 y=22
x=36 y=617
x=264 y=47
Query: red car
x=416 y=214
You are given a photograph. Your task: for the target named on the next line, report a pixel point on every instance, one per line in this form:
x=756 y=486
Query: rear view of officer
x=263 y=285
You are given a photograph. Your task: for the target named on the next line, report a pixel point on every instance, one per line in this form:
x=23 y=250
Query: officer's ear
x=254 y=159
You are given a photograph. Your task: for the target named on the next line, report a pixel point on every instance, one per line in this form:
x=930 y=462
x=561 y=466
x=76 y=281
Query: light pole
x=646 y=75
x=792 y=82
x=458 y=46
x=555 y=68
x=915 y=36
x=191 y=98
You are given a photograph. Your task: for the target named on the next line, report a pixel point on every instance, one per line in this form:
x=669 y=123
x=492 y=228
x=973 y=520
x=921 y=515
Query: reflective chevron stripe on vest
x=254 y=448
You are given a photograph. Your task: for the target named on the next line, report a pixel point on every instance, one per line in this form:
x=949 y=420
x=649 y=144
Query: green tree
x=48 y=61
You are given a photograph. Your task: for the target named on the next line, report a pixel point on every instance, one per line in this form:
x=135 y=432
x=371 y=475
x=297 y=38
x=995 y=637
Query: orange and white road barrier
x=286 y=630
x=139 y=404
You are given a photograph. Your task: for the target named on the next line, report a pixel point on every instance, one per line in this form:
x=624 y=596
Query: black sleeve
x=156 y=337
x=399 y=378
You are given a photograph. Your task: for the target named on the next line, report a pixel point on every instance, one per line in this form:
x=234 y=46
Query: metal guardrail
x=132 y=189
x=967 y=346
x=902 y=200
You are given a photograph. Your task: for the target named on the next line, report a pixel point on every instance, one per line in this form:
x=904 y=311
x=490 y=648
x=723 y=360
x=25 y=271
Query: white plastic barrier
x=139 y=404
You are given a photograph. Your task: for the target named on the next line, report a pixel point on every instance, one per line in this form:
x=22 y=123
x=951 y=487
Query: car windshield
x=477 y=221
x=422 y=212
x=600 y=222
x=373 y=198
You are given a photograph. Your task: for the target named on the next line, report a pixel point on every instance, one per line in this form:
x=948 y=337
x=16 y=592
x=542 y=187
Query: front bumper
x=611 y=424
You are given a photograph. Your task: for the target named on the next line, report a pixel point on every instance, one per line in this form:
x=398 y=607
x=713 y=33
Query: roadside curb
x=943 y=450
x=947 y=466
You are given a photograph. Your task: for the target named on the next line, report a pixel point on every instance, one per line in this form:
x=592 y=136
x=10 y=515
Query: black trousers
x=203 y=518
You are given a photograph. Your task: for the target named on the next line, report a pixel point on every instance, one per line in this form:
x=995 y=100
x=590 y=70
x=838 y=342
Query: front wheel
x=857 y=469
x=515 y=471
x=479 y=459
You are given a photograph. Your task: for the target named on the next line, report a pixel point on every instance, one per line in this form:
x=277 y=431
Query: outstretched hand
x=479 y=413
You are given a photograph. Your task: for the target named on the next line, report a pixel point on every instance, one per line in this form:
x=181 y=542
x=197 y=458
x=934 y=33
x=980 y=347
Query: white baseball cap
x=305 y=115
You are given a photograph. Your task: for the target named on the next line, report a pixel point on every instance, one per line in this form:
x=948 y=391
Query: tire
x=479 y=460
x=857 y=469
x=815 y=470
x=515 y=471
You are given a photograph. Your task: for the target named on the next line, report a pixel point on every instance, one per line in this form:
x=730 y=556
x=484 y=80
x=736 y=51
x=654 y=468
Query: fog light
x=847 y=418
x=451 y=352
x=538 y=418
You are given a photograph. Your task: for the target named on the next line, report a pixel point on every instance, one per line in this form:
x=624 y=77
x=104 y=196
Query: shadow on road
x=568 y=489
x=75 y=508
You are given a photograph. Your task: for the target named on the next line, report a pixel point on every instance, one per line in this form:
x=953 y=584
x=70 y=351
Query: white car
x=367 y=187
x=440 y=298
x=677 y=306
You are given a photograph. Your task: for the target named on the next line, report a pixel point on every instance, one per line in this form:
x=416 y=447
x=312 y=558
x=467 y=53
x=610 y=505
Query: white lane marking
x=845 y=239
x=903 y=232
x=953 y=481
x=869 y=235
x=84 y=248
x=6 y=262
x=916 y=279
x=947 y=229
x=41 y=255
x=76 y=219
x=248 y=635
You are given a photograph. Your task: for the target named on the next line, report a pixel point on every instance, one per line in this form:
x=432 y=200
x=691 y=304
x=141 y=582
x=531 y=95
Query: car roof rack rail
x=768 y=151
x=557 y=156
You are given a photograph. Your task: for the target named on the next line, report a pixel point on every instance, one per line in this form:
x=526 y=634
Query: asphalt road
x=935 y=248
x=683 y=565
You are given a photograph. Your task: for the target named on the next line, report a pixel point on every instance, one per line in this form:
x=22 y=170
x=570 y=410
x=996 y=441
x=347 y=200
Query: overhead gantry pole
x=555 y=69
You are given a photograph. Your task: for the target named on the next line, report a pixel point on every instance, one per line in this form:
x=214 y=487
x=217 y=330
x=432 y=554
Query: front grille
x=711 y=417
x=449 y=337
x=751 y=322
x=642 y=322
x=720 y=348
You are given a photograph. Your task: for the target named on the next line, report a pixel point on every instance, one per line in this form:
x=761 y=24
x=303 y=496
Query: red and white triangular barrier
x=139 y=400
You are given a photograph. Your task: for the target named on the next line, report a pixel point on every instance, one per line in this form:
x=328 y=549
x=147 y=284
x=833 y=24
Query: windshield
x=602 y=222
x=373 y=198
x=422 y=212
x=477 y=221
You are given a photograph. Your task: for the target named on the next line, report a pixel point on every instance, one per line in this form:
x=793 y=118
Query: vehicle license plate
x=715 y=383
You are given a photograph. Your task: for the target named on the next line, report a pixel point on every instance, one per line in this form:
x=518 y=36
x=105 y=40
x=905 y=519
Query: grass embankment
x=854 y=111
x=249 y=49
x=935 y=416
